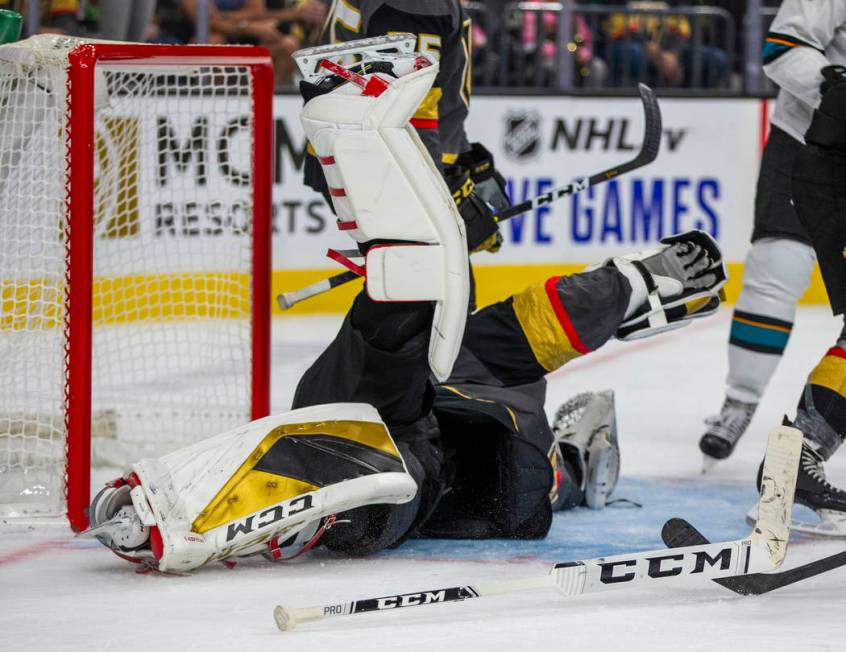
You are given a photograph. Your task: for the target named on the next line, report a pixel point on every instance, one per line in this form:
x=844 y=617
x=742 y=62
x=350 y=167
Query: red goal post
x=235 y=299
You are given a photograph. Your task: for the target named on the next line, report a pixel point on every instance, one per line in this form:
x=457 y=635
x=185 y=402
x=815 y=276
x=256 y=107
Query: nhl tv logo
x=522 y=139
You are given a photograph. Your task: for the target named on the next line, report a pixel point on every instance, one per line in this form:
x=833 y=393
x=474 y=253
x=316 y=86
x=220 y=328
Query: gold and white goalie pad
x=241 y=492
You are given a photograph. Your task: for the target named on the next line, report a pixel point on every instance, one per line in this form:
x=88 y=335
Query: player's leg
x=536 y=331
x=821 y=416
x=777 y=272
x=819 y=191
x=380 y=357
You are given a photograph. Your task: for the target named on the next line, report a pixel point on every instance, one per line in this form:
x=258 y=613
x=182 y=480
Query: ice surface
x=60 y=593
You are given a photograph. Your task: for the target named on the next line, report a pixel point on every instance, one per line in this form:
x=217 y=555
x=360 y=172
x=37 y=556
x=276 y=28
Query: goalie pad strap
x=657 y=317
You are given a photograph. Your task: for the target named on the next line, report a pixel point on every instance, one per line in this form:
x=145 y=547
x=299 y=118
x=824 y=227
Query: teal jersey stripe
x=759 y=336
x=773 y=51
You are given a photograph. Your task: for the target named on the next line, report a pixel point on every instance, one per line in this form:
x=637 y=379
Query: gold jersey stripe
x=348 y=16
x=484 y=400
x=550 y=344
x=428 y=109
x=830 y=373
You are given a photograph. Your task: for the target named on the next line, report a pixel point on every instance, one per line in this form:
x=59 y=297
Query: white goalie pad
x=231 y=494
x=385 y=186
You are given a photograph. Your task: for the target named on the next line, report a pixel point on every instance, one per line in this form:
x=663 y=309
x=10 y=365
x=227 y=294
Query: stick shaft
x=648 y=152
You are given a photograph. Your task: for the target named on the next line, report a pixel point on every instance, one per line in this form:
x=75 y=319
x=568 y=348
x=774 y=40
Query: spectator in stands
x=60 y=17
x=250 y=21
x=656 y=47
x=590 y=71
x=125 y=20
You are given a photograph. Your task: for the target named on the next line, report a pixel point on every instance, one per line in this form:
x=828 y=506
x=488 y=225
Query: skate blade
x=599 y=480
x=832 y=525
x=709 y=464
x=752 y=514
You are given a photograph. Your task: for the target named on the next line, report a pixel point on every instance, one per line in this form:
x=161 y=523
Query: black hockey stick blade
x=678 y=533
x=651 y=139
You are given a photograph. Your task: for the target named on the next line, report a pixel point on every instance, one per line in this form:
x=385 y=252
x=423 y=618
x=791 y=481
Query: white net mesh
x=172 y=259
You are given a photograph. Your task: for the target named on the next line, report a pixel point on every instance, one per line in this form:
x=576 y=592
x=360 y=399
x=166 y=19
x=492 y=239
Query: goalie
x=418 y=419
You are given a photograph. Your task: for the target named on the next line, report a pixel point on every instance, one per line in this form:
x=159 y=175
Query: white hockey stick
x=763 y=550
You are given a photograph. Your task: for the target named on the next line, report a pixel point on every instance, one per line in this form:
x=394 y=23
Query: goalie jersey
x=803 y=38
x=443 y=30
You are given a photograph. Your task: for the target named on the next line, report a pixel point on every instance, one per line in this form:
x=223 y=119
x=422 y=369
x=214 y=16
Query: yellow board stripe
x=547 y=339
x=830 y=373
x=36 y=304
x=493 y=283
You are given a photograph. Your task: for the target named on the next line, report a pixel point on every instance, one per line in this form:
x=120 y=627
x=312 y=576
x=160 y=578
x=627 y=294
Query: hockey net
x=134 y=257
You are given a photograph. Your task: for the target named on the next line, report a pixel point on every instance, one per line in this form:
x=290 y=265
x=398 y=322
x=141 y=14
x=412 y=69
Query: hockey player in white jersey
x=804 y=37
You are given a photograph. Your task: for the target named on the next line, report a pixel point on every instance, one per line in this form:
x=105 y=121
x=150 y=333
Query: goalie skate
x=585 y=430
x=366 y=49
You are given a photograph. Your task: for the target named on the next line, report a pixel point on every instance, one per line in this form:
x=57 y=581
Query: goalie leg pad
x=239 y=492
x=385 y=186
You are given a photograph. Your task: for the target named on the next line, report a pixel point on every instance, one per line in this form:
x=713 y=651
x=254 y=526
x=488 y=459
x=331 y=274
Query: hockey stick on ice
x=648 y=152
x=679 y=533
x=763 y=550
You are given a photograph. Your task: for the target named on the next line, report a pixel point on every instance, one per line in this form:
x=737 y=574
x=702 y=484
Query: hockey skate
x=816 y=493
x=585 y=430
x=115 y=522
x=724 y=431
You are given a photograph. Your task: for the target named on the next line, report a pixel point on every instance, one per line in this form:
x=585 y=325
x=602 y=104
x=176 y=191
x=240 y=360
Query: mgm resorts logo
x=522 y=138
x=116 y=178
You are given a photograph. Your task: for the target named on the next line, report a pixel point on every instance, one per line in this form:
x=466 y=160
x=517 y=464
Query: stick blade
x=653 y=125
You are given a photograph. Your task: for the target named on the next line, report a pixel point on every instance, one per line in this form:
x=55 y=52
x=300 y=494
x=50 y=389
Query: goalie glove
x=479 y=223
x=490 y=184
x=672 y=284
